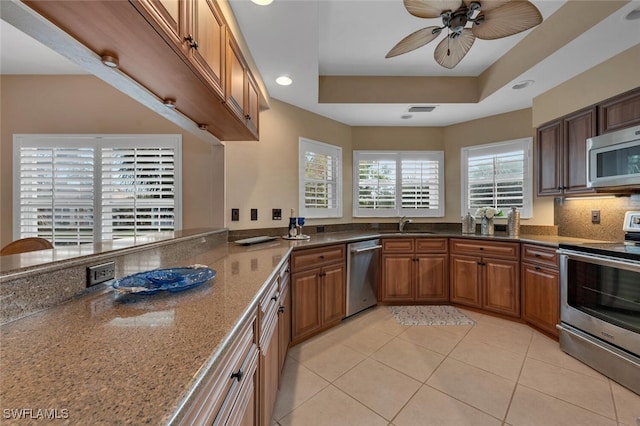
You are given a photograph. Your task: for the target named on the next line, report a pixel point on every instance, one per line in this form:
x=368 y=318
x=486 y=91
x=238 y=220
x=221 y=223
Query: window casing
x=498 y=175
x=393 y=184
x=320 y=179
x=73 y=189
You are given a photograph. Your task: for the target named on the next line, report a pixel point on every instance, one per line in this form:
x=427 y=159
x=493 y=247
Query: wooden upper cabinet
x=550 y=153
x=168 y=16
x=578 y=127
x=619 y=112
x=208 y=41
x=253 y=105
x=562 y=154
x=236 y=83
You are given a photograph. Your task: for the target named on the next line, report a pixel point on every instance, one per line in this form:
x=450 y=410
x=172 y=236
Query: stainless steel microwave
x=613 y=159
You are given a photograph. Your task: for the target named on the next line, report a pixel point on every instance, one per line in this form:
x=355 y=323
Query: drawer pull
x=237 y=375
x=537 y=268
x=321 y=256
x=481 y=263
x=274 y=298
x=281 y=309
x=537 y=255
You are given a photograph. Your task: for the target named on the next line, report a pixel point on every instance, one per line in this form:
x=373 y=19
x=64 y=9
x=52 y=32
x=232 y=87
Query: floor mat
x=429 y=315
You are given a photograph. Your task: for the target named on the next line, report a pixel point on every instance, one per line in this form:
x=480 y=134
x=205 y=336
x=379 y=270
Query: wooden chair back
x=24 y=245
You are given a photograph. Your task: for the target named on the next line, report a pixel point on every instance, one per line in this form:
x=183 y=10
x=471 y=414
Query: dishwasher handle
x=362 y=250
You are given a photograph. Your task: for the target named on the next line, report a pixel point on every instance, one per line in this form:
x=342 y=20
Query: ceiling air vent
x=421 y=108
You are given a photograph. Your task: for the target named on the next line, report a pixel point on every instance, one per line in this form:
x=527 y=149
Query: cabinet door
x=168 y=16
x=619 y=112
x=208 y=31
x=333 y=296
x=465 y=280
x=501 y=286
x=269 y=376
x=284 y=326
x=235 y=77
x=578 y=128
x=550 y=159
x=253 y=105
x=397 y=276
x=305 y=289
x=244 y=411
x=432 y=278
x=541 y=297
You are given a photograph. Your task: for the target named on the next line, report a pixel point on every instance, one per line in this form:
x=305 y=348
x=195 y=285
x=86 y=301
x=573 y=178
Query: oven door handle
x=601 y=260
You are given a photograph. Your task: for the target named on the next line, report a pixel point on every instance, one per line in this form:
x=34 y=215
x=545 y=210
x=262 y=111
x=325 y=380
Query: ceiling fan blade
x=487 y=4
x=508 y=19
x=413 y=41
x=430 y=8
x=450 y=51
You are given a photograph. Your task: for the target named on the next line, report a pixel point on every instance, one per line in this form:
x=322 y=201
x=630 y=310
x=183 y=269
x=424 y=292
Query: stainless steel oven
x=600 y=308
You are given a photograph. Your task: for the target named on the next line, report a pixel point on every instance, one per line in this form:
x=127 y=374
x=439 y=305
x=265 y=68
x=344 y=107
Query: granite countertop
x=102 y=357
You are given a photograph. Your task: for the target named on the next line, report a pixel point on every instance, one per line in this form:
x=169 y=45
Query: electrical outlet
x=276 y=214
x=254 y=214
x=235 y=215
x=595 y=216
x=320 y=228
x=100 y=273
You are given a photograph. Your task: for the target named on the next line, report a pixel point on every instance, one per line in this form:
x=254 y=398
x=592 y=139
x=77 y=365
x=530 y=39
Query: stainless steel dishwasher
x=363 y=267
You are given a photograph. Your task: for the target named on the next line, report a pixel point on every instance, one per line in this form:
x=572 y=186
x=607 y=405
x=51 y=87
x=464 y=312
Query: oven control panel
x=631 y=222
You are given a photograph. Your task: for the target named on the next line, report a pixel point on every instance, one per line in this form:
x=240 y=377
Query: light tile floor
x=370 y=370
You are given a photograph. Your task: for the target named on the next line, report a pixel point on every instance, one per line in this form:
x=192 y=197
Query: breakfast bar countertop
x=104 y=358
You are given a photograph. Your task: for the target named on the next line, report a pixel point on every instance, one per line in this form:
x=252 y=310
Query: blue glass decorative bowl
x=170 y=279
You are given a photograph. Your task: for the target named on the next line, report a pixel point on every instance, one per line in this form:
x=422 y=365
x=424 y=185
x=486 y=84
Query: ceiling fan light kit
x=489 y=19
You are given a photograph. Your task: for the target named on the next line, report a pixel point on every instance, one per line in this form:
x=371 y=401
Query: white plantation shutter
x=408 y=183
x=55 y=200
x=320 y=169
x=72 y=189
x=137 y=191
x=498 y=175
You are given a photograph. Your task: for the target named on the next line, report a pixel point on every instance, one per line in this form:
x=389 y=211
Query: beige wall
x=264 y=174
x=85 y=104
x=497 y=128
x=617 y=75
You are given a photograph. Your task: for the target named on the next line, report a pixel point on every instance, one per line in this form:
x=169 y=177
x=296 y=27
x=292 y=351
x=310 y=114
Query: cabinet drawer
x=214 y=399
x=398 y=245
x=540 y=255
x=310 y=258
x=485 y=248
x=431 y=245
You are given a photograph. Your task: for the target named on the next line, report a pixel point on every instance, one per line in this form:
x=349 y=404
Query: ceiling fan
x=490 y=20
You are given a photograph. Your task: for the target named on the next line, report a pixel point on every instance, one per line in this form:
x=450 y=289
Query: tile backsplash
x=573 y=216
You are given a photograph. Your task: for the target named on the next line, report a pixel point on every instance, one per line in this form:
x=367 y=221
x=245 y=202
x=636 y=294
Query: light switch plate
x=595 y=216
x=254 y=214
x=235 y=215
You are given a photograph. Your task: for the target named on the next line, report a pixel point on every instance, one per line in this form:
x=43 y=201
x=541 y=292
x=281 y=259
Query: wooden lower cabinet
x=466 y=280
x=318 y=292
x=284 y=324
x=486 y=275
x=269 y=374
x=540 y=287
x=228 y=395
x=415 y=270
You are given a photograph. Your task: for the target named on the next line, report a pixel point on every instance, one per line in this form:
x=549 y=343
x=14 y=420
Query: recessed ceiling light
x=284 y=80
x=633 y=15
x=262 y=2
x=169 y=103
x=406 y=116
x=522 y=84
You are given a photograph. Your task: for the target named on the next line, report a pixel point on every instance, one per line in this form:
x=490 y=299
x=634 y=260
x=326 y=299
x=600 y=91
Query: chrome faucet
x=403 y=221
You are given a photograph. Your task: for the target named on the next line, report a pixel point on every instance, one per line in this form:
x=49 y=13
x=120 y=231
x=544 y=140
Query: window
x=497 y=175
x=73 y=189
x=320 y=168
x=407 y=183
